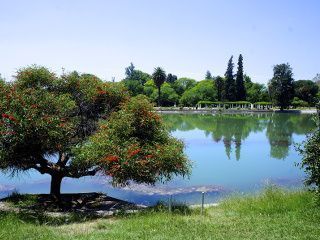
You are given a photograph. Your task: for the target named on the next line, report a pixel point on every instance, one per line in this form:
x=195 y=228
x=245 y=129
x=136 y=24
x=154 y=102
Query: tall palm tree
x=159 y=77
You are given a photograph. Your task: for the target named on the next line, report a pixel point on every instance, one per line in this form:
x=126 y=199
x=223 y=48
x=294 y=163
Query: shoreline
x=232 y=111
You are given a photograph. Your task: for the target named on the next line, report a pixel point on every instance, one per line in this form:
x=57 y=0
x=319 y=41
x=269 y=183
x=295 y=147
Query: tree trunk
x=159 y=92
x=55 y=185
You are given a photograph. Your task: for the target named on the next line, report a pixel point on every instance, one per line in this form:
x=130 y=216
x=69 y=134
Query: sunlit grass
x=273 y=214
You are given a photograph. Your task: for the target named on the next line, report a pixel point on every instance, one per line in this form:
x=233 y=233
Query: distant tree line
x=168 y=90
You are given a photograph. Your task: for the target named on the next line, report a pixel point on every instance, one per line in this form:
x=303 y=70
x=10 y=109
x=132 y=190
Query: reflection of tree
x=280 y=129
x=232 y=129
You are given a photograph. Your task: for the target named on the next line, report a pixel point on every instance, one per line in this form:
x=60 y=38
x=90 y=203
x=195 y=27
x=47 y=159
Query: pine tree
x=230 y=83
x=240 y=88
x=208 y=75
x=219 y=83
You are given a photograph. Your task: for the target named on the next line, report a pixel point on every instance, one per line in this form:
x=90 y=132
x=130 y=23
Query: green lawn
x=273 y=214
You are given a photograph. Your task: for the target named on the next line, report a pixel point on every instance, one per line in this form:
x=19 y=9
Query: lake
x=231 y=153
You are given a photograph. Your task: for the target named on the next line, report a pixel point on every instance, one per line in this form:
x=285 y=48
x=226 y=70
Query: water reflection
x=233 y=129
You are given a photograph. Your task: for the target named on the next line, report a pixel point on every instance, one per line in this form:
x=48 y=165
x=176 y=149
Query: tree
x=208 y=75
x=134 y=87
x=306 y=90
x=311 y=159
x=316 y=79
x=256 y=92
x=281 y=85
x=159 y=77
x=229 y=82
x=135 y=79
x=129 y=70
x=203 y=91
x=183 y=84
x=77 y=125
x=240 y=89
x=219 y=83
x=171 y=78
x=169 y=97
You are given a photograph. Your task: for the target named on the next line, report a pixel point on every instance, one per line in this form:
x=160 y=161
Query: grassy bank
x=273 y=214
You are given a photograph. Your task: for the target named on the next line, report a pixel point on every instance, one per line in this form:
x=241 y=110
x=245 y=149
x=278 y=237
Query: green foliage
x=219 y=102
x=149 y=87
x=135 y=79
x=255 y=92
x=183 y=84
x=171 y=78
x=299 y=103
x=204 y=90
x=134 y=86
x=281 y=85
x=263 y=103
x=306 y=90
x=230 y=87
x=219 y=84
x=208 y=75
x=159 y=77
x=240 y=88
x=168 y=97
x=134 y=145
x=310 y=151
x=47 y=121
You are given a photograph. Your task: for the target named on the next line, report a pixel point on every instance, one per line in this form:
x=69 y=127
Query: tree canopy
x=281 y=85
x=230 y=88
x=306 y=90
x=240 y=88
x=159 y=77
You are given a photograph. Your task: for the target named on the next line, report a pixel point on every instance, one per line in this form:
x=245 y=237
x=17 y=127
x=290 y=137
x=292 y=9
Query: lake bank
x=232 y=111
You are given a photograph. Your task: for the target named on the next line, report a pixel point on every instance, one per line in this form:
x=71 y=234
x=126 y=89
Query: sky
x=185 y=37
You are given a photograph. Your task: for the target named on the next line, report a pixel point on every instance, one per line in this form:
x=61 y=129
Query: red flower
x=149 y=156
x=12 y=118
x=101 y=92
x=134 y=152
x=112 y=158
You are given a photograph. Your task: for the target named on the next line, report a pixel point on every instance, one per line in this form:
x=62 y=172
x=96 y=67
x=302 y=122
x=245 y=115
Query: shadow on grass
x=43 y=218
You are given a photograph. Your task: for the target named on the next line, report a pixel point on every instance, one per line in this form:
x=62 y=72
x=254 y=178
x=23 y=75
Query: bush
x=310 y=151
x=299 y=103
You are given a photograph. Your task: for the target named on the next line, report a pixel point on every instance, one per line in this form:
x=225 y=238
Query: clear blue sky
x=185 y=37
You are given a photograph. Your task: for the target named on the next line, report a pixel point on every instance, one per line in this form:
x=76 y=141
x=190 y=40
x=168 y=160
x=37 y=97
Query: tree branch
x=79 y=174
x=63 y=159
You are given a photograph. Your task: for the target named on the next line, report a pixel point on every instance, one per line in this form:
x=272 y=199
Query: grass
x=273 y=214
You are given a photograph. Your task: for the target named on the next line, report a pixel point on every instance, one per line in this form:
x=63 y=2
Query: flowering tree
x=77 y=125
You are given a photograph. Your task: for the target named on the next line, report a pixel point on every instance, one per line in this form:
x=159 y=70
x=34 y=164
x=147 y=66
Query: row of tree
x=169 y=90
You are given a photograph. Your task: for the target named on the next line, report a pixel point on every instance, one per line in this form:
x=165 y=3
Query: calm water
x=230 y=153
